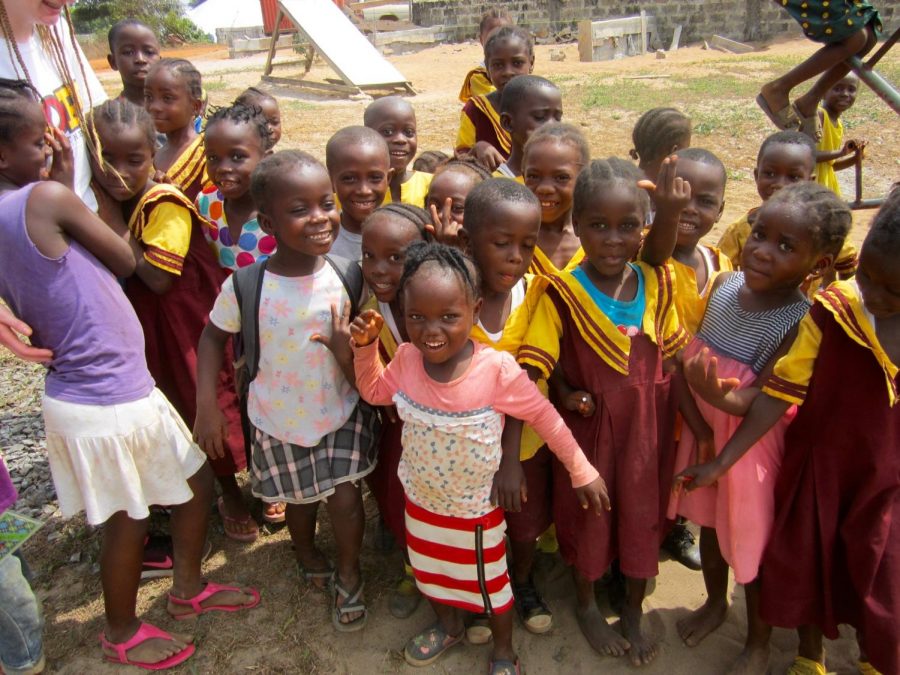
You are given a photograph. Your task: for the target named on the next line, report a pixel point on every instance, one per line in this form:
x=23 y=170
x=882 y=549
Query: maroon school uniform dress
x=834 y=555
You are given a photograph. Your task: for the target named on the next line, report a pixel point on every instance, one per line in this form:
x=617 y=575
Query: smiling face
x=385 y=238
x=503 y=245
x=395 y=120
x=134 y=50
x=167 y=99
x=780 y=251
x=233 y=149
x=24 y=159
x=453 y=185
x=45 y=12
x=782 y=164
x=360 y=175
x=609 y=225
x=300 y=212
x=508 y=58
x=707 y=200
x=127 y=160
x=537 y=108
x=842 y=96
x=550 y=169
x=440 y=311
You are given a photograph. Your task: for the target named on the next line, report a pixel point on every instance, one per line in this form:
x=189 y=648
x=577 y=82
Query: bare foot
x=701 y=622
x=600 y=635
x=274 y=510
x=752 y=661
x=153 y=650
x=643 y=649
x=239 y=598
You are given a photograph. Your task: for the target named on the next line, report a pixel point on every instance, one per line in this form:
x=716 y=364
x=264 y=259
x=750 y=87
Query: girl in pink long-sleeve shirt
x=452 y=395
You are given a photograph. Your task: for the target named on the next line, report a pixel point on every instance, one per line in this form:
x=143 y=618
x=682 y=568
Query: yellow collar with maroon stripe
x=161 y=192
x=485 y=106
x=518 y=321
x=190 y=166
x=541 y=264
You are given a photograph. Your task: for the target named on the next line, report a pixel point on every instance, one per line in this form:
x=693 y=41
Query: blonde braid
x=15 y=56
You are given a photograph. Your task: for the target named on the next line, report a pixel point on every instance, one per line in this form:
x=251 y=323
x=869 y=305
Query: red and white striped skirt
x=460 y=561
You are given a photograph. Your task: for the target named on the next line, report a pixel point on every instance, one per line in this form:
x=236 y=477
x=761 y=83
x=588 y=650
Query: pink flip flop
x=208 y=591
x=145 y=632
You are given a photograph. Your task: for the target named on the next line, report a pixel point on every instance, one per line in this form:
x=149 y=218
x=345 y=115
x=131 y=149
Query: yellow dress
x=480 y=121
x=414 y=191
x=690 y=302
x=188 y=172
x=477 y=83
x=541 y=264
x=832 y=139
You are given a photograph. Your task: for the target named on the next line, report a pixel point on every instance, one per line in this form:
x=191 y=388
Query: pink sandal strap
x=145 y=632
x=208 y=591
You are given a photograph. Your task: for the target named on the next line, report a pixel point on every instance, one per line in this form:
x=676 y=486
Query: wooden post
x=269 y=65
x=643 y=32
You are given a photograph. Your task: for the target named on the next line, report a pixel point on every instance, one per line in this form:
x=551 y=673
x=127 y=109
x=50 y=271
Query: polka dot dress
x=253 y=244
x=832 y=20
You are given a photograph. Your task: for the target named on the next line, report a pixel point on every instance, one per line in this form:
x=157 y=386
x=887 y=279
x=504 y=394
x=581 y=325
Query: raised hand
x=594 y=496
x=365 y=328
x=670 y=193
x=62 y=165
x=443 y=227
x=338 y=342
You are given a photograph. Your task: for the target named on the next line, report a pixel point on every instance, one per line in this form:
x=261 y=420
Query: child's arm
x=687 y=406
x=210 y=429
x=852 y=148
x=62 y=165
x=670 y=194
x=9 y=326
x=509 y=490
x=338 y=342
x=373 y=380
x=572 y=399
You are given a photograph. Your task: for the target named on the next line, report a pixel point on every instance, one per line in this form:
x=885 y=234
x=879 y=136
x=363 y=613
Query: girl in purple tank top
x=115 y=444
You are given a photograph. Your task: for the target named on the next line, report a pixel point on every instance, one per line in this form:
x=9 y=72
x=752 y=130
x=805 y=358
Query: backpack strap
x=351 y=276
x=247 y=291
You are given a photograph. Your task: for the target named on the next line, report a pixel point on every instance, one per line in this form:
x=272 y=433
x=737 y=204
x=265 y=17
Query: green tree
x=165 y=17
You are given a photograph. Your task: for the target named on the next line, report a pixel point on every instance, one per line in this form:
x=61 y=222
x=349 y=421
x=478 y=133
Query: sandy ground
x=291 y=631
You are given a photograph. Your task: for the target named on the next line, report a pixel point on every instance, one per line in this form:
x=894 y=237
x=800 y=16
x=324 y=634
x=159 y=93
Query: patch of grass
x=218 y=84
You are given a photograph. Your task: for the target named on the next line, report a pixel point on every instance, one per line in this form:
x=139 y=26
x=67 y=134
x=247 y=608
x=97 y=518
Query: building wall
x=700 y=19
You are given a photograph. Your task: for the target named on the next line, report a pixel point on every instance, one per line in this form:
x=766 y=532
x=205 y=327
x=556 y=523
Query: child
x=784 y=158
x=507 y=53
x=133 y=48
x=446 y=201
x=606 y=327
x=452 y=394
x=832 y=154
x=173 y=95
x=268 y=104
x=553 y=157
x=528 y=103
x=313 y=440
x=386 y=235
x=750 y=320
x=394 y=118
x=477 y=81
x=847 y=28
x=174 y=285
x=115 y=444
x=359 y=164
x=429 y=160
x=658 y=133
x=833 y=554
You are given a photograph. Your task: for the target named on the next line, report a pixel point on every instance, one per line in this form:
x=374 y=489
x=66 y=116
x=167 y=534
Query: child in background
x=173 y=95
x=751 y=319
x=268 y=104
x=386 y=235
x=658 y=133
x=833 y=556
x=528 y=103
x=430 y=160
x=847 y=28
x=452 y=394
x=606 y=327
x=832 y=154
x=478 y=82
x=174 y=286
x=133 y=48
x=784 y=158
x=553 y=157
x=114 y=442
x=394 y=118
x=360 y=168
x=446 y=201
x=313 y=440
x=507 y=53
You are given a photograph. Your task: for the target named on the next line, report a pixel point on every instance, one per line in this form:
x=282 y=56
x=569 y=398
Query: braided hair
x=447 y=258
x=508 y=33
x=14 y=96
x=239 y=113
x=657 y=131
x=253 y=96
x=123 y=113
x=414 y=214
x=430 y=160
x=184 y=69
x=828 y=217
x=467 y=165
x=601 y=174
x=562 y=133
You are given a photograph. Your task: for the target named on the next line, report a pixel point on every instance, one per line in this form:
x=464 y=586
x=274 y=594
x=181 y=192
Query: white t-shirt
x=300 y=393
x=347 y=245
x=57 y=99
x=518 y=297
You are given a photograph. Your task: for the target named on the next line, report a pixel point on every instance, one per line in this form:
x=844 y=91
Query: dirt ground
x=291 y=631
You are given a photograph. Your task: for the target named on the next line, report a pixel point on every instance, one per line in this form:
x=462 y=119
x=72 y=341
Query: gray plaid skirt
x=284 y=472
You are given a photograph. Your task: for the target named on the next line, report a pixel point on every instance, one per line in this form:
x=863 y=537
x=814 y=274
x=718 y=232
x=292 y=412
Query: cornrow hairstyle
x=238 y=113
x=601 y=174
x=14 y=96
x=252 y=96
x=828 y=217
x=657 y=131
x=787 y=138
x=521 y=86
x=508 y=33
x=416 y=215
x=884 y=233
x=703 y=156
x=272 y=167
x=559 y=132
x=467 y=165
x=193 y=82
x=420 y=253
x=493 y=14
x=352 y=138
x=485 y=197
x=429 y=161
x=113 y=35
x=118 y=113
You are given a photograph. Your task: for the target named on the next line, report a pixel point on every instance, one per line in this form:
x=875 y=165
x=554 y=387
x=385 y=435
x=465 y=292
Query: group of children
x=535 y=355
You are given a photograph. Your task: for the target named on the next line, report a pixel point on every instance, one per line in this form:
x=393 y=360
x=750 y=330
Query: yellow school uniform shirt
x=477 y=83
x=467 y=136
x=162 y=222
x=414 y=191
x=690 y=302
x=541 y=263
x=832 y=139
